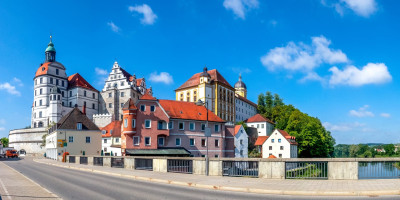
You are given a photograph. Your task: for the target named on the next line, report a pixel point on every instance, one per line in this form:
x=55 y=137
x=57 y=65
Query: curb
x=237 y=189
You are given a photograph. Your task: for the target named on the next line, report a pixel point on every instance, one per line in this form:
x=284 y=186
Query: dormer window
x=57 y=72
x=103 y=132
x=79 y=126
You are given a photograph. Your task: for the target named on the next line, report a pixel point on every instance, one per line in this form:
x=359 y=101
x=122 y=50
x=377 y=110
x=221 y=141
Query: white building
x=76 y=134
x=241 y=142
x=244 y=108
x=263 y=125
x=111 y=139
x=279 y=144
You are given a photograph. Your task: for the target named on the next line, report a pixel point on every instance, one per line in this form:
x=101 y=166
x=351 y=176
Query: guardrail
x=240 y=168
x=117 y=162
x=379 y=170
x=71 y=159
x=180 y=166
x=98 y=161
x=306 y=170
x=83 y=160
x=143 y=164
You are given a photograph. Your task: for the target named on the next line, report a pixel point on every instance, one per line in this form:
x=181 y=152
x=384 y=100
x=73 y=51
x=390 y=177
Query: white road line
x=5 y=189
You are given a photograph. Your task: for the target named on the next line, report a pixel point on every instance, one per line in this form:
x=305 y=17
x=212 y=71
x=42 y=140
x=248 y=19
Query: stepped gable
x=76 y=80
x=188 y=110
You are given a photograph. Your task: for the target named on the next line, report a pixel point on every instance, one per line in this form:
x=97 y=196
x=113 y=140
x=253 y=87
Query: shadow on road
x=29 y=197
x=11 y=159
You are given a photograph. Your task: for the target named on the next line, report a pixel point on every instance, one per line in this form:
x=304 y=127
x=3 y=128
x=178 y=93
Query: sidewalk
x=14 y=185
x=252 y=185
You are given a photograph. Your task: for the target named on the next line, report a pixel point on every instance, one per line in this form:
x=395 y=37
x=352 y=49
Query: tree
x=389 y=149
x=4 y=141
x=261 y=104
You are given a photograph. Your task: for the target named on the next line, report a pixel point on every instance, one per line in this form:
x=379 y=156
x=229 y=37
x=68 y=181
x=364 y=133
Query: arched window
x=34 y=125
x=40 y=124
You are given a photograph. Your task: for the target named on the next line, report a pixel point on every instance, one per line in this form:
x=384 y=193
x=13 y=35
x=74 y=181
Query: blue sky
x=336 y=60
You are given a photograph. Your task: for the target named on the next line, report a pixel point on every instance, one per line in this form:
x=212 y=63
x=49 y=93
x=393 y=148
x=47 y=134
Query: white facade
x=111 y=144
x=244 y=110
x=241 y=143
x=279 y=146
x=263 y=128
x=29 y=140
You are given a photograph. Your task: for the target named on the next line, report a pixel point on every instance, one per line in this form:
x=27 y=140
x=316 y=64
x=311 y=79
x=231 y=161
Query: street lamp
x=207 y=131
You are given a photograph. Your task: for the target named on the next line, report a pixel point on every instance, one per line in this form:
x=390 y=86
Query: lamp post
x=207 y=131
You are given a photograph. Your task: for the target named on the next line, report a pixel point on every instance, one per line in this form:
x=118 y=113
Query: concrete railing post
x=129 y=162
x=343 y=170
x=215 y=168
x=160 y=164
x=107 y=161
x=199 y=167
x=90 y=160
x=271 y=169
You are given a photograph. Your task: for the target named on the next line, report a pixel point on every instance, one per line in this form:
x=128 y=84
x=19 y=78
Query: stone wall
x=102 y=120
x=29 y=140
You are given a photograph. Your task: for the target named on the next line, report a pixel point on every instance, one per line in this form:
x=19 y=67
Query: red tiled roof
x=237 y=128
x=188 y=110
x=258 y=118
x=246 y=100
x=139 y=81
x=195 y=79
x=115 y=126
x=288 y=137
x=271 y=156
x=147 y=97
x=42 y=69
x=260 y=140
x=76 y=80
x=129 y=105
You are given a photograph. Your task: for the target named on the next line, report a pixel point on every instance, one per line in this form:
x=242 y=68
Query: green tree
x=389 y=149
x=269 y=103
x=354 y=150
x=261 y=104
x=4 y=141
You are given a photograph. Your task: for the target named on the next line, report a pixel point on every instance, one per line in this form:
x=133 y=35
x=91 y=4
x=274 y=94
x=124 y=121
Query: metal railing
x=98 y=161
x=240 y=168
x=180 y=166
x=117 y=162
x=379 y=170
x=143 y=164
x=71 y=159
x=306 y=170
x=83 y=160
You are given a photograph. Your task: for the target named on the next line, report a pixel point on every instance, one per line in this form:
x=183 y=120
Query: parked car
x=11 y=154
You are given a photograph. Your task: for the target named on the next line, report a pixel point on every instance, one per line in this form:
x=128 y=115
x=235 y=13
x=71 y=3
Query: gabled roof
x=127 y=75
x=139 y=81
x=260 y=140
x=188 y=110
x=147 y=97
x=115 y=126
x=70 y=120
x=271 y=156
x=237 y=128
x=288 y=137
x=246 y=100
x=76 y=80
x=195 y=80
x=258 y=118
x=129 y=104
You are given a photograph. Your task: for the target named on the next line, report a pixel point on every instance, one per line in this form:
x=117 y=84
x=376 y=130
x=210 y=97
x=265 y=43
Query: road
x=75 y=184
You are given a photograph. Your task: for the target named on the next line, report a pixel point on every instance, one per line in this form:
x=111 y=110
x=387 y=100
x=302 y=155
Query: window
x=93 y=106
x=258 y=125
x=262 y=125
x=216 y=127
x=41 y=80
x=178 y=141
x=280 y=155
x=142 y=107
x=122 y=105
x=279 y=140
x=105 y=141
x=35 y=92
x=133 y=123
x=117 y=140
x=93 y=95
x=203 y=127
x=62 y=83
x=84 y=93
x=56 y=81
x=241 y=142
x=241 y=152
x=62 y=93
x=147 y=141
x=40 y=102
x=216 y=143
x=40 y=91
x=122 y=94
x=270 y=147
x=216 y=156
x=122 y=83
x=125 y=122
x=203 y=142
x=57 y=71
x=136 y=140
x=110 y=94
x=152 y=108
x=110 y=105
x=181 y=126
x=71 y=139
x=191 y=141
x=87 y=139
x=103 y=132
x=147 y=123
x=51 y=80
x=70 y=93
x=273 y=140
x=191 y=126
x=170 y=125
x=79 y=126
x=70 y=104
x=281 y=147
x=160 y=141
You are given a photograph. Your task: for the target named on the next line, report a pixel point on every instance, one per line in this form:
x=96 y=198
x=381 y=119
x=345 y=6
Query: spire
x=205 y=73
x=240 y=77
x=50 y=51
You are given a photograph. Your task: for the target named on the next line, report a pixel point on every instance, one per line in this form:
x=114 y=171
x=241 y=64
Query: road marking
x=5 y=189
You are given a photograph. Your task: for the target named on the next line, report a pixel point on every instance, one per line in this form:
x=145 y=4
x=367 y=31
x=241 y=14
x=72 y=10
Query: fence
x=240 y=168
x=306 y=170
x=71 y=159
x=117 y=162
x=143 y=163
x=83 y=160
x=379 y=170
x=180 y=166
x=98 y=161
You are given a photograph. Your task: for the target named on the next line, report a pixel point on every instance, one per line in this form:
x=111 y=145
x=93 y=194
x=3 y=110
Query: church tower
x=240 y=87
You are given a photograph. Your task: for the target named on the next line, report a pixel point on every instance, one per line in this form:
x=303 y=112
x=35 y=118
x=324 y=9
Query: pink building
x=156 y=127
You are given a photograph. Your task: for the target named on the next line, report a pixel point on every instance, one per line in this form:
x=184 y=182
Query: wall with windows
x=241 y=143
x=278 y=146
x=243 y=109
x=263 y=128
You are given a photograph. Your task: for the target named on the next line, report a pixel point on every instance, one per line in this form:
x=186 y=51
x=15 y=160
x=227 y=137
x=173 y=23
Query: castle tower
x=128 y=124
x=240 y=87
x=55 y=107
x=50 y=52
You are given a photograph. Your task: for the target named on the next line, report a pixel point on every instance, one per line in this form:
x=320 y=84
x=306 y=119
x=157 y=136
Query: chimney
x=84 y=109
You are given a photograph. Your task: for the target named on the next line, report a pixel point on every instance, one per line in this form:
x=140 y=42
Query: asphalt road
x=75 y=184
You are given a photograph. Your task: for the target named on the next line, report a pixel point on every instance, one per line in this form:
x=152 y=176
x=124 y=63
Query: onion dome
x=240 y=83
x=50 y=46
x=205 y=73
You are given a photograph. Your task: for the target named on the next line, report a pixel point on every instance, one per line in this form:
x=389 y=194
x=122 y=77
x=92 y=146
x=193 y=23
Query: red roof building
x=76 y=80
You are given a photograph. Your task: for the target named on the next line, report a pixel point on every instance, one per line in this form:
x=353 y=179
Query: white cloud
x=18 y=81
x=2 y=121
x=148 y=15
x=362 y=112
x=364 y=8
x=100 y=71
x=343 y=127
x=386 y=115
x=240 y=7
x=312 y=76
x=2 y=129
x=372 y=73
x=302 y=57
x=9 y=88
x=113 y=27
x=163 y=77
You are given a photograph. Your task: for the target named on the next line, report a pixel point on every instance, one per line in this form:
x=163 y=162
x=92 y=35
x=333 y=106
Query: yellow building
x=212 y=88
